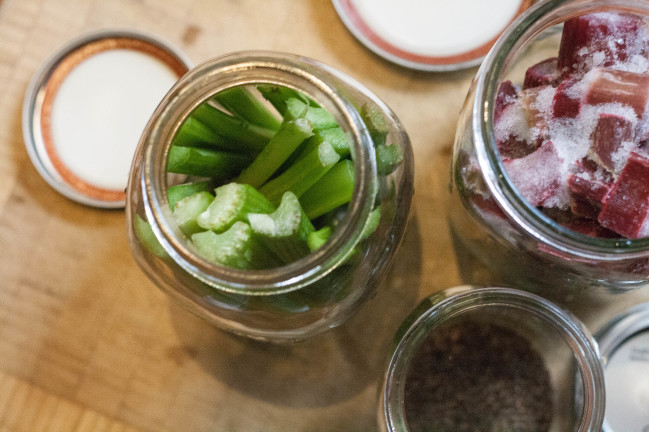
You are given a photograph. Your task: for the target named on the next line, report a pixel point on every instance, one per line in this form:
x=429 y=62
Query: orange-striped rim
x=351 y=12
x=58 y=75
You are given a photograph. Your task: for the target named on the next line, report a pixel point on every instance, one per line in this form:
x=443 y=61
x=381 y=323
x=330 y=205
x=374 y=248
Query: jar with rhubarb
x=550 y=170
x=269 y=194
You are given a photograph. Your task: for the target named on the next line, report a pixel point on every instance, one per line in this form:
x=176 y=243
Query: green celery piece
x=193 y=133
x=289 y=136
x=278 y=95
x=187 y=210
x=177 y=192
x=320 y=118
x=337 y=138
x=235 y=248
x=202 y=162
x=243 y=103
x=285 y=231
x=372 y=223
x=251 y=138
x=375 y=122
x=302 y=174
x=231 y=204
x=334 y=136
x=334 y=189
x=146 y=236
x=318 y=238
x=388 y=158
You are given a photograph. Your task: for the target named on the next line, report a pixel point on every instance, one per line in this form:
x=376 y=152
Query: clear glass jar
x=488 y=216
x=310 y=295
x=569 y=363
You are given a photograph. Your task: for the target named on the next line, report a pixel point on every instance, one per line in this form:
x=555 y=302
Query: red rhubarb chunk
x=599 y=39
x=626 y=88
x=590 y=227
x=610 y=133
x=588 y=186
x=626 y=207
x=587 y=194
x=537 y=176
x=507 y=95
x=542 y=74
x=567 y=101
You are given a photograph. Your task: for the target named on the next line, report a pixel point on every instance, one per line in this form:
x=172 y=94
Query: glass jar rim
x=528 y=25
x=268 y=67
x=452 y=302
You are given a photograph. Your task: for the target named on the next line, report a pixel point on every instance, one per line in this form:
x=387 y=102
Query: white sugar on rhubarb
x=100 y=111
x=438 y=28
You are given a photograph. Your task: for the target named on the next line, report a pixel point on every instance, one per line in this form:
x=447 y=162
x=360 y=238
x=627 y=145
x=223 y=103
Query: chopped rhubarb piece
x=507 y=95
x=627 y=205
x=590 y=227
x=587 y=194
x=610 y=133
x=537 y=176
x=599 y=39
x=567 y=100
x=512 y=130
x=588 y=186
x=542 y=74
x=512 y=147
x=626 y=88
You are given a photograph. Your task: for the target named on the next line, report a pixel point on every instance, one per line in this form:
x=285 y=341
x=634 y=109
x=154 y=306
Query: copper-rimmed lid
x=429 y=35
x=86 y=107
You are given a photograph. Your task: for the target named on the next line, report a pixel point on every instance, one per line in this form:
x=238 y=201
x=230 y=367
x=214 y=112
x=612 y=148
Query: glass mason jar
x=305 y=297
x=560 y=388
x=489 y=219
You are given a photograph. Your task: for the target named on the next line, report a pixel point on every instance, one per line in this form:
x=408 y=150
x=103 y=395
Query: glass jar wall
x=291 y=301
x=489 y=216
x=484 y=359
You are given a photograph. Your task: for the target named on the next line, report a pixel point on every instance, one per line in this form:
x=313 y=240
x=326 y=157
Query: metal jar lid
x=429 y=35
x=86 y=106
x=624 y=346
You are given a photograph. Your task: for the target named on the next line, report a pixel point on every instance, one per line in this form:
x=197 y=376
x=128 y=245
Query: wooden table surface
x=88 y=343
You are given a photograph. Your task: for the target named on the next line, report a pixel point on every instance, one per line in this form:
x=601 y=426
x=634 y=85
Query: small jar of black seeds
x=492 y=360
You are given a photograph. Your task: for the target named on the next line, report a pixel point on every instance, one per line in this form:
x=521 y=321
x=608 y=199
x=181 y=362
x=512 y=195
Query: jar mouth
x=451 y=304
x=257 y=67
x=518 y=36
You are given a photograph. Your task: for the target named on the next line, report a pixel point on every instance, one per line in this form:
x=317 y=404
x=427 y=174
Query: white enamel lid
x=429 y=35
x=86 y=107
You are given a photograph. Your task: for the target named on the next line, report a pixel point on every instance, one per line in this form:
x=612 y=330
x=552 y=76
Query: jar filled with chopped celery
x=269 y=194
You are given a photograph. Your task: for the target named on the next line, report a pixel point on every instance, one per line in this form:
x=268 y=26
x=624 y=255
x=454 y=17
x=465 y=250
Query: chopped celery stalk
x=302 y=174
x=243 y=103
x=375 y=122
x=278 y=95
x=203 y=162
x=336 y=137
x=289 y=136
x=177 y=192
x=146 y=237
x=194 y=133
x=320 y=118
x=235 y=248
x=232 y=203
x=252 y=138
x=186 y=211
x=388 y=158
x=372 y=223
x=285 y=231
x=317 y=238
x=334 y=189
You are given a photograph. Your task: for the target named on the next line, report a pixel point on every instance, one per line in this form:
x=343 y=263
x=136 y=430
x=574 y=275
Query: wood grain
x=87 y=343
